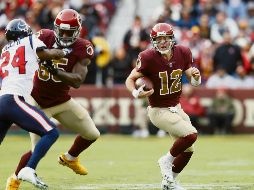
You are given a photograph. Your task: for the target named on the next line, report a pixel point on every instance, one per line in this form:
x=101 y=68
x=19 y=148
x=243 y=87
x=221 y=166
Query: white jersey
x=18 y=64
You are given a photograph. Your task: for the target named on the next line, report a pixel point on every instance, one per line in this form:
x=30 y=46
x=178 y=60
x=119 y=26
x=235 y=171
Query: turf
x=122 y=162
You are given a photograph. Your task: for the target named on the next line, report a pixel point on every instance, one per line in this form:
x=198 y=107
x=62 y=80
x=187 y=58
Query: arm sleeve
x=141 y=65
x=36 y=43
x=85 y=51
x=188 y=59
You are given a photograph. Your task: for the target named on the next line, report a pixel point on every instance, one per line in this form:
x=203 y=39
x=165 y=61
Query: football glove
x=136 y=92
x=50 y=67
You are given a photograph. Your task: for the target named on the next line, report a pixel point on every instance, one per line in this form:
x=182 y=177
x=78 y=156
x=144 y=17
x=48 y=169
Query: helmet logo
x=138 y=63
x=161 y=33
x=21 y=26
x=64 y=26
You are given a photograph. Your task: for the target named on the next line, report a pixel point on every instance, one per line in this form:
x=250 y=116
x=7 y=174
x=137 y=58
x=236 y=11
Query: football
x=144 y=80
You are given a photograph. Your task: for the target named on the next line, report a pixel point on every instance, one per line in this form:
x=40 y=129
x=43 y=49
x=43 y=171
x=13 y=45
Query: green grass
x=123 y=162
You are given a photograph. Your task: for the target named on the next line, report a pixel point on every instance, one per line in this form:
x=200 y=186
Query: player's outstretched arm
x=76 y=77
x=48 y=54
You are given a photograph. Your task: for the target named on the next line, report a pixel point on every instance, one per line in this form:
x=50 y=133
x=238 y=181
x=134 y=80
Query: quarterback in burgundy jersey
x=164 y=65
x=51 y=89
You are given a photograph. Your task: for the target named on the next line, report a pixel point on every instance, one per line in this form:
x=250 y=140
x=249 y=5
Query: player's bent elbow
x=76 y=85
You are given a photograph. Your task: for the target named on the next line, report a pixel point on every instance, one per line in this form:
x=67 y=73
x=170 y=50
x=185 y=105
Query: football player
x=19 y=61
x=164 y=65
x=51 y=90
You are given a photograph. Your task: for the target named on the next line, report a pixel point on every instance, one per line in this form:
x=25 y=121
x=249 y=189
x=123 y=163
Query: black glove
x=50 y=67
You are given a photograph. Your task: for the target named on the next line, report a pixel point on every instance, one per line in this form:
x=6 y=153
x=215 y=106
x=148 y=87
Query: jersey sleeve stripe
x=39 y=118
x=31 y=41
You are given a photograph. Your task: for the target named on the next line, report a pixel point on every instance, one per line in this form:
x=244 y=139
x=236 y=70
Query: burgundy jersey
x=165 y=75
x=48 y=90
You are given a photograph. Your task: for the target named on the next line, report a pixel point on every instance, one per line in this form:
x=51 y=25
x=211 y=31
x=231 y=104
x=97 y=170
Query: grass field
x=123 y=162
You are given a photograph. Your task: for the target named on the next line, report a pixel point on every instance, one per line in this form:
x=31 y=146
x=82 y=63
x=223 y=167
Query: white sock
x=14 y=176
x=175 y=175
x=69 y=157
x=170 y=157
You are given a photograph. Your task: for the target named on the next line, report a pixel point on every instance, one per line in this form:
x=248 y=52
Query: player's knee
x=54 y=134
x=191 y=138
x=91 y=135
x=96 y=134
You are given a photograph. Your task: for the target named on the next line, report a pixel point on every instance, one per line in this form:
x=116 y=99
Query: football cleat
x=165 y=185
x=178 y=186
x=73 y=164
x=28 y=174
x=12 y=183
x=166 y=169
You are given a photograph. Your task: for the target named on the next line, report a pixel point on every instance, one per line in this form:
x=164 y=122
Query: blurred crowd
x=220 y=34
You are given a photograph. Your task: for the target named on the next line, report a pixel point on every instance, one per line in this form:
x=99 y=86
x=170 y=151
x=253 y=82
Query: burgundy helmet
x=163 y=45
x=67 y=21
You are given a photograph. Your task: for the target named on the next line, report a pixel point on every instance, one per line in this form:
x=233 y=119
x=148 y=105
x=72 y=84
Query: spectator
x=220 y=5
x=205 y=59
x=204 y=27
x=223 y=24
x=90 y=21
x=168 y=6
x=136 y=39
x=102 y=58
x=97 y=74
x=221 y=112
x=186 y=21
x=43 y=14
x=227 y=55
x=208 y=7
x=243 y=80
x=250 y=15
x=191 y=105
x=120 y=66
x=236 y=9
x=220 y=79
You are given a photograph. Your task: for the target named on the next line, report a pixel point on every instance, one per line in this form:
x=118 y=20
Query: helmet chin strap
x=165 y=51
x=65 y=44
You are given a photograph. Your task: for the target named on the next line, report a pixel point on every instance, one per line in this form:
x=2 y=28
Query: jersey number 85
x=44 y=74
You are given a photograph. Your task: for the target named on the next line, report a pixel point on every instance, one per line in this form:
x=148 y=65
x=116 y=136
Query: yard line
x=243 y=186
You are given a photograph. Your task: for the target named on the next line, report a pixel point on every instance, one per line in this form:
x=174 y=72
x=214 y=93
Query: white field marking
x=243 y=186
x=233 y=163
x=220 y=172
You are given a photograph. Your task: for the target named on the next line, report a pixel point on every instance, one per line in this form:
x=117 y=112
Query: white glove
x=67 y=51
x=136 y=92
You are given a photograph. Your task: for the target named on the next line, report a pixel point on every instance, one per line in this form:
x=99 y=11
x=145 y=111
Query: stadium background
x=120 y=29
x=221 y=162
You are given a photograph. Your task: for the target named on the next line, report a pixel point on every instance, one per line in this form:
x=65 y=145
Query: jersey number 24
x=17 y=61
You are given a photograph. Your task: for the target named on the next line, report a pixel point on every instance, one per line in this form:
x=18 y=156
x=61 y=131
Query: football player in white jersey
x=19 y=60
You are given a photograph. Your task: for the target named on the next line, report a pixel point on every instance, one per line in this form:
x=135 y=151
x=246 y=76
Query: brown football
x=144 y=80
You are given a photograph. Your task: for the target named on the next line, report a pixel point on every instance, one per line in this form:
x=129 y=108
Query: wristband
x=195 y=82
x=135 y=93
